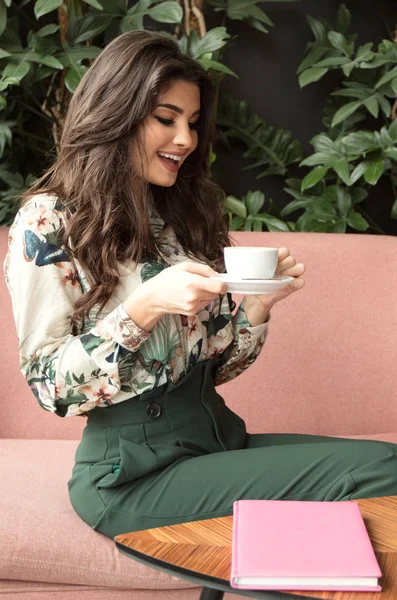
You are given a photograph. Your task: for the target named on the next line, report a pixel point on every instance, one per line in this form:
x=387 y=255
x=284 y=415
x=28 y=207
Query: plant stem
x=25 y=16
x=370 y=219
x=36 y=112
x=385 y=22
x=34 y=137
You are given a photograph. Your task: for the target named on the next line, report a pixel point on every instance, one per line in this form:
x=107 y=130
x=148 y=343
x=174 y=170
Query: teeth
x=177 y=158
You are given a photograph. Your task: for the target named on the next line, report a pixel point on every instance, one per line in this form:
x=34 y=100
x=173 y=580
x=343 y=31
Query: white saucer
x=254 y=286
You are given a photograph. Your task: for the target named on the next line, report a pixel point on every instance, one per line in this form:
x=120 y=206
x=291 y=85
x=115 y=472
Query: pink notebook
x=290 y=545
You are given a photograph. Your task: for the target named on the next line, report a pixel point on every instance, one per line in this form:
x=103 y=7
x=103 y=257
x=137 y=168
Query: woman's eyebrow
x=177 y=109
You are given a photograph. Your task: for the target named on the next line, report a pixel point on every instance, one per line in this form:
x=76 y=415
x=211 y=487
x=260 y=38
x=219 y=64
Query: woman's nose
x=184 y=136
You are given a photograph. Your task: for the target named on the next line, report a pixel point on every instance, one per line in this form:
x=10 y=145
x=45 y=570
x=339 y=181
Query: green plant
x=244 y=213
x=46 y=47
x=348 y=159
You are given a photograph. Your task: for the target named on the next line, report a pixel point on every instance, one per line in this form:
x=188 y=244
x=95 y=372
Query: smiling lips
x=170 y=161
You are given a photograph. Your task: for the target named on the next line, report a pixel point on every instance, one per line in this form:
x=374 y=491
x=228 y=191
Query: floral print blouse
x=108 y=359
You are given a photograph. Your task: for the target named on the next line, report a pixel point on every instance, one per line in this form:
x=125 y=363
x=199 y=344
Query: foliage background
x=343 y=180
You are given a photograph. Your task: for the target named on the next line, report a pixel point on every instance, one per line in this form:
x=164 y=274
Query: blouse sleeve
x=69 y=374
x=245 y=348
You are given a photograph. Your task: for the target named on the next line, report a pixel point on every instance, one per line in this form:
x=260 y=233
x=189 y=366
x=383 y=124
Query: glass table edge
x=206 y=580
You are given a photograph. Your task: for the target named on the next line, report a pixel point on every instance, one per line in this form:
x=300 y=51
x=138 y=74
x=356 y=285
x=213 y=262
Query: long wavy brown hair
x=108 y=221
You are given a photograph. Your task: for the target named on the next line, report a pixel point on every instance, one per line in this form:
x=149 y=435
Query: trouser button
x=153 y=410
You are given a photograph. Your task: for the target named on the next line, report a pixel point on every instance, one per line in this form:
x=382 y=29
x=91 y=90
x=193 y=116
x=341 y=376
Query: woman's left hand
x=257 y=307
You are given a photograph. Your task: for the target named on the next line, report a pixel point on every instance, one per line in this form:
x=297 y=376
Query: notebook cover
x=284 y=538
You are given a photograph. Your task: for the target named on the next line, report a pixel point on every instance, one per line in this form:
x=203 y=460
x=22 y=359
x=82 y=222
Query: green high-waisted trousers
x=178 y=454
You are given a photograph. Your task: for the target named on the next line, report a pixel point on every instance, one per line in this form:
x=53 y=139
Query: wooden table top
x=204 y=547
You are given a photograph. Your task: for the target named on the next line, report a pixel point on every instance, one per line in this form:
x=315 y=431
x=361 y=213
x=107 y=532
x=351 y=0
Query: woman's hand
x=257 y=307
x=185 y=289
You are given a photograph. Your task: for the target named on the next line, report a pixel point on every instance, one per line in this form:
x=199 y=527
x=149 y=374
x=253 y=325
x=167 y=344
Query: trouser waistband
x=151 y=405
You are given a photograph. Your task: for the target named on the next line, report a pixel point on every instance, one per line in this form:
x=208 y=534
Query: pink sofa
x=329 y=367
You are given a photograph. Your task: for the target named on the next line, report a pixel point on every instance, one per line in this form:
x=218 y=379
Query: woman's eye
x=169 y=122
x=165 y=121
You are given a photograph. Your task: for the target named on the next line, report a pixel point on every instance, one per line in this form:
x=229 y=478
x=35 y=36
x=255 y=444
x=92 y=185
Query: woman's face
x=169 y=134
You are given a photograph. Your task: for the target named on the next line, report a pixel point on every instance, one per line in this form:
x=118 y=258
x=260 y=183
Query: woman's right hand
x=185 y=288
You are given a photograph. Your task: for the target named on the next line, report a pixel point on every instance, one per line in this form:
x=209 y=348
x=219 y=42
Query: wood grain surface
x=205 y=547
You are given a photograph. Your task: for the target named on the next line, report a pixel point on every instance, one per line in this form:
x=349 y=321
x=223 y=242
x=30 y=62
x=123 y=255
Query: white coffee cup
x=250 y=262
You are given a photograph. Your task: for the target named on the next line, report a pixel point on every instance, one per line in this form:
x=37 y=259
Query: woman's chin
x=164 y=181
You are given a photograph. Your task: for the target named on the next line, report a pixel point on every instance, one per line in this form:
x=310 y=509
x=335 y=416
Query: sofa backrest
x=328 y=366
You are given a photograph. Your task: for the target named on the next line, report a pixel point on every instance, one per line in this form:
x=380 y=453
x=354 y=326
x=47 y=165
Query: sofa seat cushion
x=35 y=590
x=42 y=538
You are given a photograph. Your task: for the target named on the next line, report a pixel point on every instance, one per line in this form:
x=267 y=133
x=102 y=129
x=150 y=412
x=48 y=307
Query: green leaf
x=340 y=43
x=73 y=77
x=94 y=4
x=313 y=177
x=348 y=67
x=13 y=180
x=386 y=78
x=330 y=196
x=259 y=27
x=313 y=56
x=167 y=12
x=295 y=205
x=213 y=40
x=294 y=183
x=344 y=19
x=341 y=167
x=48 y=61
x=318 y=29
x=344 y=201
x=358 y=194
x=47 y=30
x=372 y=105
x=42 y=7
x=4 y=54
x=393 y=130
x=394 y=210
x=359 y=142
x=236 y=224
x=236 y=206
x=374 y=171
x=358 y=172
x=322 y=143
x=85 y=28
x=393 y=85
x=272 y=148
x=3 y=16
x=391 y=153
x=216 y=66
x=132 y=22
x=271 y=222
x=16 y=71
x=254 y=202
x=364 y=52
x=339 y=227
x=335 y=61
x=311 y=75
x=319 y=158
x=384 y=105
x=5 y=134
x=356 y=221
x=344 y=112
x=257 y=14
x=351 y=93
x=73 y=56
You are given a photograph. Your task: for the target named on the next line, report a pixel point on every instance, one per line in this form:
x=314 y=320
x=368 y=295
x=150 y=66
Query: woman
x=110 y=270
